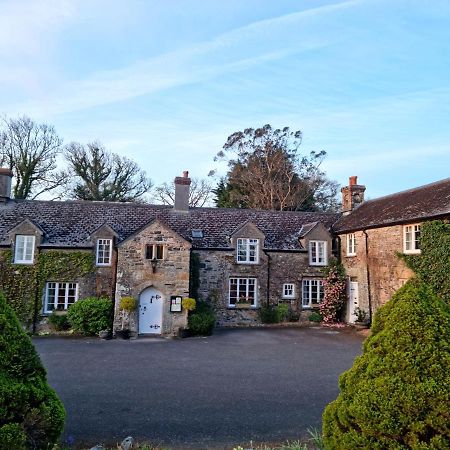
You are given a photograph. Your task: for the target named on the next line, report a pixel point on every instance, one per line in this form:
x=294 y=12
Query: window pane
x=149 y=252
x=160 y=252
x=61 y=296
x=233 y=291
x=51 y=292
x=305 y=293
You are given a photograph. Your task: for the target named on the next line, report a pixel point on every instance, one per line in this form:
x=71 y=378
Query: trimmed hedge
x=91 y=315
x=397 y=394
x=31 y=414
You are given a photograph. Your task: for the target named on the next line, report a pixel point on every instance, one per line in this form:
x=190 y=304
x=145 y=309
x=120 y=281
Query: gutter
x=36 y=292
x=269 y=259
x=369 y=294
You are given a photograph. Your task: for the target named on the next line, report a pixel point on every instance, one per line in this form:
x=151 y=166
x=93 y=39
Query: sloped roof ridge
x=395 y=194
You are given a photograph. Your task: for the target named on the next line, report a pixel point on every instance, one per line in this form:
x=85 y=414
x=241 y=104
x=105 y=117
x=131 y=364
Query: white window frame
x=309 y=283
x=288 y=290
x=58 y=286
x=239 y=294
x=104 y=255
x=247 y=245
x=155 y=252
x=28 y=240
x=412 y=242
x=320 y=259
x=351 y=244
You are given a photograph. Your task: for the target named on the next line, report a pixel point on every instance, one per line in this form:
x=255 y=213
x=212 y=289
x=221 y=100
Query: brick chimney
x=182 y=192
x=352 y=195
x=5 y=184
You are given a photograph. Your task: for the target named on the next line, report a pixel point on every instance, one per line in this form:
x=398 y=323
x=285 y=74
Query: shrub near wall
x=91 y=315
x=397 y=394
x=31 y=415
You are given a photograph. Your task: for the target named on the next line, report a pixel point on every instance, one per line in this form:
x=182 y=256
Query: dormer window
x=411 y=238
x=104 y=252
x=318 y=253
x=24 y=249
x=154 y=251
x=247 y=251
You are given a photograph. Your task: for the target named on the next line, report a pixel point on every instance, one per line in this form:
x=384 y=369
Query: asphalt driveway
x=264 y=385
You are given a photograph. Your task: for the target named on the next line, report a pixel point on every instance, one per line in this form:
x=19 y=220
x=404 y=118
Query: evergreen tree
x=397 y=394
x=31 y=414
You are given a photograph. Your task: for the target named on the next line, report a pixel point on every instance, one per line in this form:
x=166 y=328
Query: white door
x=150 y=311
x=353 y=301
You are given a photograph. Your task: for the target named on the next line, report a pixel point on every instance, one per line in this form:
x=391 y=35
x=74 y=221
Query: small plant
x=282 y=311
x=361 y=315
x=268 y=314
x=189 y=304
x=201 y=322
x=59 y=321
x=294 y=316
x=91 y=315
x=316 y=438
x=315 y=317
x=128 y=304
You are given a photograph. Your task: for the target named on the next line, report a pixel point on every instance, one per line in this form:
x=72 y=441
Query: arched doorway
x=150 y=311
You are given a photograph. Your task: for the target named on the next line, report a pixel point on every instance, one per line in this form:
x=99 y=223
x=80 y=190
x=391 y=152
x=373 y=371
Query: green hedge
x=91 y=315
x=31 y=415
x=397 y=394
x=201 y=321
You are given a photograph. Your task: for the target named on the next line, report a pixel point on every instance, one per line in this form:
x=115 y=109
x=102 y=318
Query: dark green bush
x=201 y=321
x=91 y=315
x=268 y=314
x=31 y=415
x=315 y=317
x=397 y=394
x=60 y=322
x=282 y=311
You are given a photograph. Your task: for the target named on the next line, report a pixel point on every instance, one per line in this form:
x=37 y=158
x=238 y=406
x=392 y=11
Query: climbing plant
x=24 y=285
x=334 y=292
x=432 y=265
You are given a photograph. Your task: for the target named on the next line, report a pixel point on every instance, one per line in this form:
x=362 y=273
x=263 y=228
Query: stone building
x=239 y=260
x=373 y=232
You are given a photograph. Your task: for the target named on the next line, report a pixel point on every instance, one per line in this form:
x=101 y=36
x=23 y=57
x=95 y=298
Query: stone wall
x=386 y=273
x=216 y=267
x=170 y=275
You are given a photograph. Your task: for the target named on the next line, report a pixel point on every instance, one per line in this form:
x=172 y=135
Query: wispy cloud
x=265 y=40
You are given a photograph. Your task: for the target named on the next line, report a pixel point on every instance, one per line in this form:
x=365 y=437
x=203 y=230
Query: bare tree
x=30 y=150
x=200 y=193
x=102 y=175
x=265 y=170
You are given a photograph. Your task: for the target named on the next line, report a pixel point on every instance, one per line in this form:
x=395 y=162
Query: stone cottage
x=55 y=253
x=373 y=232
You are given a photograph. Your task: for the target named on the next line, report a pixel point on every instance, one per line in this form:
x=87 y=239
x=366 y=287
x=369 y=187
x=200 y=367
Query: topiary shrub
x=60 y=322
x=201 y=321
x=397 y=393
x=91 y=315
x=31 y=415
x=314 y=316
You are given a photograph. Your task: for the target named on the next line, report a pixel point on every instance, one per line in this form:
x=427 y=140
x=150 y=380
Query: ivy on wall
x=24 y=285
x=432 y=265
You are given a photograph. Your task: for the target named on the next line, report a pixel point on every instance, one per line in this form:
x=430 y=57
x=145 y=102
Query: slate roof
x=70 y=223
x=425 y=202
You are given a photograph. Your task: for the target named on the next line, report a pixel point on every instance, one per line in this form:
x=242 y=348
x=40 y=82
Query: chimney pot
x=352 y=195
x=186 y=174
x=353 y=180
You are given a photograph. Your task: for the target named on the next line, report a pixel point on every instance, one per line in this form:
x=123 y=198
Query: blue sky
x=165 y=82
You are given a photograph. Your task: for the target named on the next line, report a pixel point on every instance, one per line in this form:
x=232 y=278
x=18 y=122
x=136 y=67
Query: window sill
x=248 y=263
x=23 y=263
x=412 y=252
x=318 y=264
x=350 y=255
x=251 y=308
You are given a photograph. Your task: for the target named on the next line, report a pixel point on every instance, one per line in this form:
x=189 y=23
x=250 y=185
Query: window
x=318 y=253
x=247 y=250
x=312 y=292
x=242 y=290
x=351 y=244
x=24 y=249
x=104 y=252
x=60 y=296
x=198 y=234
x=411 y=238
x=288 y=290
x=154 y=251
